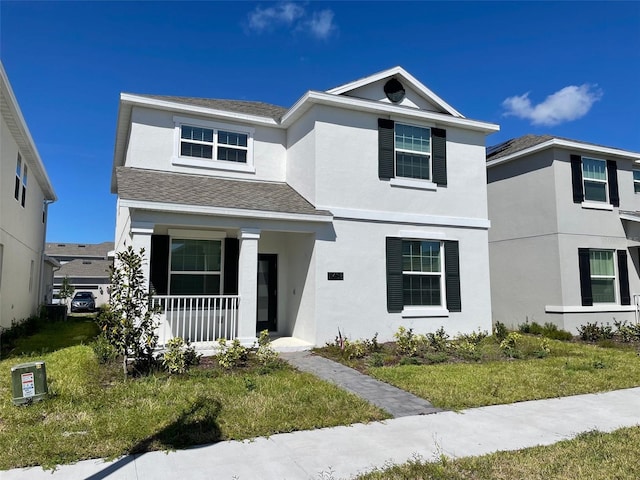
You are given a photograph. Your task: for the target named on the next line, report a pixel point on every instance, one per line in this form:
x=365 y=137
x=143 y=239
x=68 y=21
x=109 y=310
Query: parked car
x=83 y=301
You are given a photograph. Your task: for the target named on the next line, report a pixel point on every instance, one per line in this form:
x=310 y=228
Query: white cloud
x=293 y=16
x=565 y=105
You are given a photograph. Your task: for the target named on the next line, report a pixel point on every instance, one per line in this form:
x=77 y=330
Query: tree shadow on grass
x=196 y=425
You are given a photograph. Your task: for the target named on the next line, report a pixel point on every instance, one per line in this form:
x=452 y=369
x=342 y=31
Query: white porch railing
x=200 y=319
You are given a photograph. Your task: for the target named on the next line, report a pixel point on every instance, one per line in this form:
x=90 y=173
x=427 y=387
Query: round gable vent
x=394 y=90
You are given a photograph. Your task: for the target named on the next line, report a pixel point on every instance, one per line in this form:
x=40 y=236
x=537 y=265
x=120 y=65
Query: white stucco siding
x=21 y=234
x=152 y=145
x=375 y=91
x=301 y=157
x=357 y=305
x=347 y=170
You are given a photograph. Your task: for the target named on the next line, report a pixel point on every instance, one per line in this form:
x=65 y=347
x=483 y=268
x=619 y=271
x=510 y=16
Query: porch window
x=195 y=267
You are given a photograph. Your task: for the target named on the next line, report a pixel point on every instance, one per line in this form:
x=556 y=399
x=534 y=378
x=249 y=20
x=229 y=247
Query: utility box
x=29 y=382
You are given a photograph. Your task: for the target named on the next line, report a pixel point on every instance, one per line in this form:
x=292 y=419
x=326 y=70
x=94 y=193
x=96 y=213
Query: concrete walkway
x=341 y=452
x=395 y=401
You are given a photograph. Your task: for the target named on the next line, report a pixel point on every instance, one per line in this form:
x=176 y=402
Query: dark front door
x=267 y=291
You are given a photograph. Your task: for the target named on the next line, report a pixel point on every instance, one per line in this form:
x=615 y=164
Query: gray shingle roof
x=62 y=249
x=202 y=190
x=84 y=268
x=260 y=109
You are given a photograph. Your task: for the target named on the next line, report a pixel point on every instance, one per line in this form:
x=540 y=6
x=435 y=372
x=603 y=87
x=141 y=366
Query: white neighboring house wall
x=331 y=267
x=537 y=230
x=24 y=282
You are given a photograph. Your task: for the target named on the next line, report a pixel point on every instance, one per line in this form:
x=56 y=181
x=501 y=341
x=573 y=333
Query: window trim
x=605 y=182
x=441 y=274
x=212 y=163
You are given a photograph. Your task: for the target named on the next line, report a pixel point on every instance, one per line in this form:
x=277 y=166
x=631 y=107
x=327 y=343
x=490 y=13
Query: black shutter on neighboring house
x=452 y=275
x=585 y=277
x=395 y=301
x=439 y=151
x=612 y=174
x=231 y=255
x=385 y=149
x=576 y=178
x=159 y=264
x=623 y=272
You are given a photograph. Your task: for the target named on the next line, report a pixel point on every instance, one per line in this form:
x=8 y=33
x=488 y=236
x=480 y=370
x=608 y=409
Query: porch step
x=395 y=401
x=290 y=344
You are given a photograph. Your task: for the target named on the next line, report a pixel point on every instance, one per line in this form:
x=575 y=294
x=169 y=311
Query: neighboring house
x=359 y=209
x=25 y=193
x=86 y=265
x=564 y=232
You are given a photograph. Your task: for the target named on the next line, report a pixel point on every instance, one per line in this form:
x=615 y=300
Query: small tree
x=129 y=323
x=66 y=290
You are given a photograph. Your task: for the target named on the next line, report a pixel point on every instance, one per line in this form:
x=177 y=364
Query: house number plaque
x=335 y=275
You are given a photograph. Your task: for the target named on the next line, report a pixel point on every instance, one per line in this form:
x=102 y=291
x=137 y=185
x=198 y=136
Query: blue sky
x=570 y=69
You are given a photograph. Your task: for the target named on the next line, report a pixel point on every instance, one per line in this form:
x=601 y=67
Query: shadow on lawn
x=197 y=425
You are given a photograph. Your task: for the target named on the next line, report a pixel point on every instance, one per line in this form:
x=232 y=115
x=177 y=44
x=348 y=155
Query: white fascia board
x=223 y=212
x=29 y=151
x=569 y=144
x=351 y=103
x=399 y=71
x=123 y=124
x=407 y=218
x=195 y=109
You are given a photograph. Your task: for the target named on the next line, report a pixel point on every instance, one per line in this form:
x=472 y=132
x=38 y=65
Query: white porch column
x=141 y=238
x=248 y=285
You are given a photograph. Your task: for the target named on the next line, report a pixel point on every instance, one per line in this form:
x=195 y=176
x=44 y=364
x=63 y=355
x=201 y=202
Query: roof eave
x=570 y=144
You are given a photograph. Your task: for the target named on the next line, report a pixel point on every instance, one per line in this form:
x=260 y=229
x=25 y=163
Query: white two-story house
x=361 y=209
x=26 y=274
x=564 y=232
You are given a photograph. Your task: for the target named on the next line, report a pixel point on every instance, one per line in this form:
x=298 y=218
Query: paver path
x=395 y=401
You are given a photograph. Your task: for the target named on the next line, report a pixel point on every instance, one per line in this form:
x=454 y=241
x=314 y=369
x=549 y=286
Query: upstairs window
x=213 y=145
x=594 y=175
x=413 y=151
x=21 y=181
x=24 y=186
x=636 y=180
x=16 y=192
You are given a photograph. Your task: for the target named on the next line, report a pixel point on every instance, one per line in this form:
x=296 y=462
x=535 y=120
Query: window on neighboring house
x=598 y=276
x=24 y=186
x=594 y=180
x=594 y=175
x=216 y=142
x=411 y=152
x=422 y=273
x=636 y=180
x=16 y=192
x=195 y=267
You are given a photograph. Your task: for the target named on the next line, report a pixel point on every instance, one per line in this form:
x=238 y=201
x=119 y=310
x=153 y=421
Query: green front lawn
x=593 y=456
x=93 y=413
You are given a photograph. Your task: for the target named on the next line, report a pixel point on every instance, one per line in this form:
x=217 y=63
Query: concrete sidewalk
x=347 y=451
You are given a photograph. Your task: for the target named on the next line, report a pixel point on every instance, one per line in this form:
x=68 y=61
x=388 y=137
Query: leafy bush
x=265 y=354
x=548 y=330
x=592 y=332
x=179 y=356
x=544 y=350
x=467 y=349
x=474 y=337
x=500 y=331
x=105 y=352
x=627 y=333
x=409 y=361
x=376 y=360
x=231 y=356
x=509 y=345
x=439 y=340
x=407 y=342
x=18 y=329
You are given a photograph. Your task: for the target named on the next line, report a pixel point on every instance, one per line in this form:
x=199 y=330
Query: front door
x=267 y=291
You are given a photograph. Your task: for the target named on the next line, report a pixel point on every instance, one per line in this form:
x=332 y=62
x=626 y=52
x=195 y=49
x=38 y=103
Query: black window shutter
x=159 y=264
x=395 y=301
x=612 y=174
x=385 y=149
x=625 y=295
x=439 y=151
x=585 y=277
x=452 y=275
x=576 y=178
x=231 y=256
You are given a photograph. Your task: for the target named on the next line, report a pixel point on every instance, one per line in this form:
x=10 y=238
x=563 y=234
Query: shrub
x=409 y=361
x=509 y=345
x=474 y=337
x=376 y=360
x=408 y=343
x=438 y=340
x=500 y=331
x=231 y=356
x=552 y=331
x=544 y=349
x=627 y=333
x=104 y=351
x=592 y=332
x=265 y=354
x=467 y=349
x=179 y=356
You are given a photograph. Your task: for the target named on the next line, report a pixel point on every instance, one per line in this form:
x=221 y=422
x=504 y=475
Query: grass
x=93 y=413
x=593 y=455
